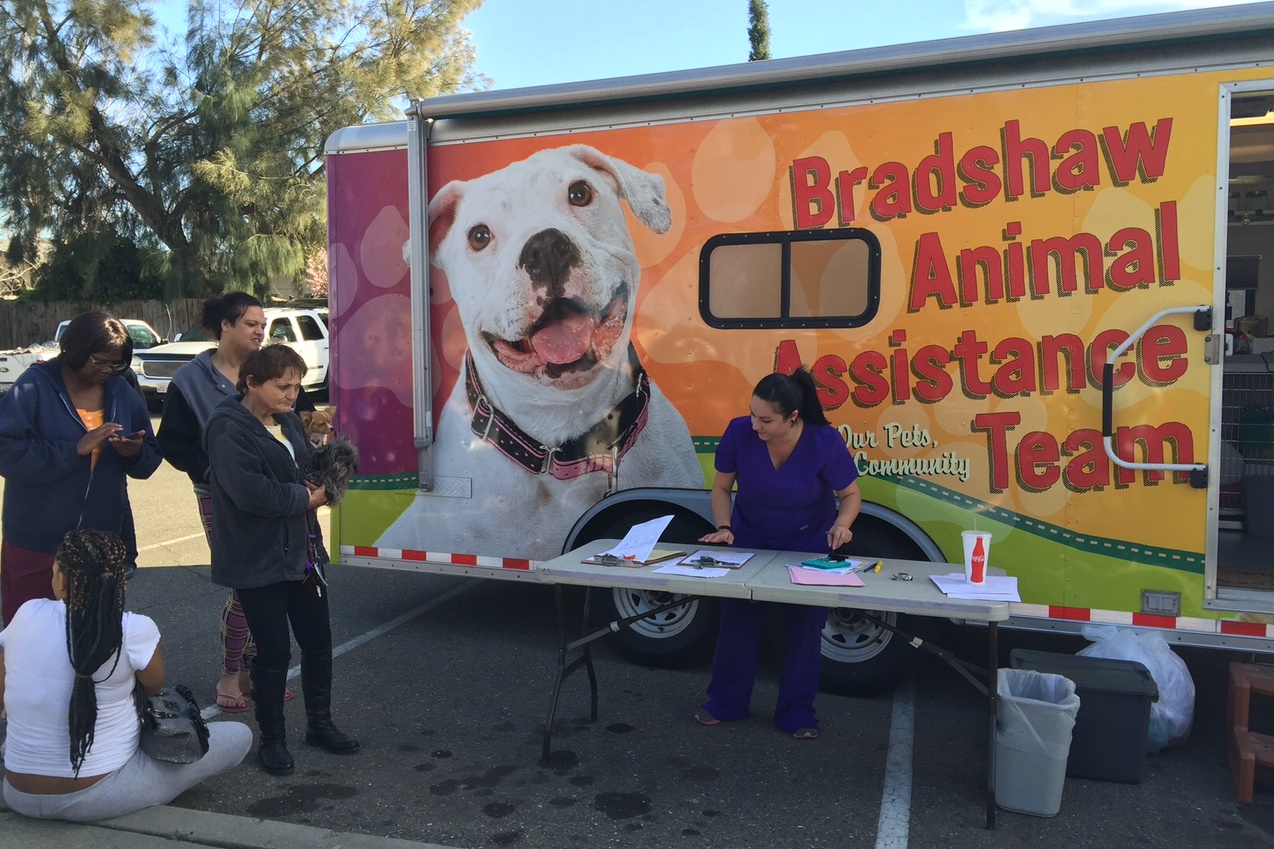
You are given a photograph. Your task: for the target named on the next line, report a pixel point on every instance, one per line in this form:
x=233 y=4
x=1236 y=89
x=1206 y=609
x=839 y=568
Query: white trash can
x=1034 y=719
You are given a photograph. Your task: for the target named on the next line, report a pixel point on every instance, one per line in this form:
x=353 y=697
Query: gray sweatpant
x=139 y=783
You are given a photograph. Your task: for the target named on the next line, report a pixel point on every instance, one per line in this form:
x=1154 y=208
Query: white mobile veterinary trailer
x=1011 y=261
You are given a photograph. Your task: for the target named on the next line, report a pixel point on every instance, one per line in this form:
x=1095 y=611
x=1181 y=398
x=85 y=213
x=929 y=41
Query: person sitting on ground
x=84 y=762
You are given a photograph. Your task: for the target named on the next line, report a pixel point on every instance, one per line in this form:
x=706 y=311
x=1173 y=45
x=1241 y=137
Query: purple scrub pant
x=735 y=661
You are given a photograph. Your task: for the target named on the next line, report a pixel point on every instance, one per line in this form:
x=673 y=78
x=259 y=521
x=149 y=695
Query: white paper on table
x=734 y=558
x=641 y=539
x=995 y=588
x=692 y=571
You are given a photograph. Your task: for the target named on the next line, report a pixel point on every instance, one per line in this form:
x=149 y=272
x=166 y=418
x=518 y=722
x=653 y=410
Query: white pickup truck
x=304 y=330
x=17 y=360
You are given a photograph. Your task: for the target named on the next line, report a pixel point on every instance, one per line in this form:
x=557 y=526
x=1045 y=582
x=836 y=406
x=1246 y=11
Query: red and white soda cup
x=977 y=548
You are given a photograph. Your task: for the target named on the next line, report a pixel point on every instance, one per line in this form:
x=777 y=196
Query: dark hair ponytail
x=93 y=564
x=228 y=307
x=794 y=392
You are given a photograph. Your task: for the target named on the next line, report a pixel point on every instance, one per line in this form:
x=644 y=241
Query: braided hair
x=93 y=564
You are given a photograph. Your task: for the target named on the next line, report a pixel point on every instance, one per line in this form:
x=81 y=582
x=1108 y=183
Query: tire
x=675 y=639
x=860 y=657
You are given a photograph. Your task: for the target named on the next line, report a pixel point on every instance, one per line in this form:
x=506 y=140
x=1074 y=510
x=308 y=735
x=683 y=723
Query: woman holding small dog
x=68 y=667
x=237 y=321
x=797 y=491
x=266 y=546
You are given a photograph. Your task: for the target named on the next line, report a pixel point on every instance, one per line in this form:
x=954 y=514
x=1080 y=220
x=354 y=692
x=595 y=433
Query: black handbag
x=172 y=728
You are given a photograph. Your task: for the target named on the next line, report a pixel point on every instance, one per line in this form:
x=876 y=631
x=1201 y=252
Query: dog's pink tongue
x=564 y=341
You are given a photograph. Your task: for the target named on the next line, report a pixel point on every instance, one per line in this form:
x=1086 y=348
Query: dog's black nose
x=547 y=257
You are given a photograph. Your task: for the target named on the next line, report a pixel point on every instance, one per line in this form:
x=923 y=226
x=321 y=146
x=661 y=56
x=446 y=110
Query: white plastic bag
x=1036 y=713
x=1173 y=714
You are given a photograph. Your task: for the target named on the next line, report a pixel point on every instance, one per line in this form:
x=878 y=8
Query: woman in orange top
x=71 y=431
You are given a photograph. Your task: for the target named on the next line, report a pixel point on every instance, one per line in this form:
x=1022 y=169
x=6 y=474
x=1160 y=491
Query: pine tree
x=758 y=30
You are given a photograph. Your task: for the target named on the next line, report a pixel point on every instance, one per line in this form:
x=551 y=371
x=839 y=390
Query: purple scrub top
x=788 y=508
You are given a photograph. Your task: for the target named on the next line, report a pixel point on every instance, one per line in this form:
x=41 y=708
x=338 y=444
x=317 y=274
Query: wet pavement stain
x=300 y=798
x=444 y=788
x=622 y=806
x=440 y=753
x=563 y=802
x=690 y=832
x=563 y=759
x=496 y=810
x=701 y=773
x=408 y=747
x=506 y=838
x=504 y=726
x=425 y=767
x=620 y=728
x=581 y=780
x=493 y=776
x=709 y=812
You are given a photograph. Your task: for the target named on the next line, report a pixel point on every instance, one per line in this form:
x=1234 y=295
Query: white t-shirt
x=37 y=693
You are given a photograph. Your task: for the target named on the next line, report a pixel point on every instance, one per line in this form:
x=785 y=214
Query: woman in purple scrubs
x=797 y=491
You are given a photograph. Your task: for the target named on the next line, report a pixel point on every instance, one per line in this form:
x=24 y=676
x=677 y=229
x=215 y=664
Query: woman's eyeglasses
x=105 y=365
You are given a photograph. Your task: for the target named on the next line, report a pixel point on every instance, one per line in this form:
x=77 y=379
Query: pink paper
x=822 y=578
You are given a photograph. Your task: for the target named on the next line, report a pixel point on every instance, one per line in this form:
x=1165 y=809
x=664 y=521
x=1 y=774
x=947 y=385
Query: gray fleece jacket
x=260 y=506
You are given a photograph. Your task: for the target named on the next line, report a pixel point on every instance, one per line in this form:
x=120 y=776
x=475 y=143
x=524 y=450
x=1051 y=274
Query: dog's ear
x=442 y=214
x=643 y=191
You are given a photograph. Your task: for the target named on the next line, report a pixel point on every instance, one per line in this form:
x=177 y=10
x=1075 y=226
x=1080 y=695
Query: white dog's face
x=540 y=262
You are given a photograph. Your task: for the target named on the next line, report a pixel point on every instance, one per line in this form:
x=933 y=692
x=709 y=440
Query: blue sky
x=540 y=42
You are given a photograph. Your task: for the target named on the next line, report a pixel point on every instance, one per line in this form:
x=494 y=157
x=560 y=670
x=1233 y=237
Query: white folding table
x=765 y=577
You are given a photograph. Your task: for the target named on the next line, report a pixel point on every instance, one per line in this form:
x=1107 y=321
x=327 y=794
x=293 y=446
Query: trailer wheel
x=861 y=658
x=676 y=638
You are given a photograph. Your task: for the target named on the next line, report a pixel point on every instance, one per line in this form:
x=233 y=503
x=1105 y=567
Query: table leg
x=563 y=668
x=992 y=699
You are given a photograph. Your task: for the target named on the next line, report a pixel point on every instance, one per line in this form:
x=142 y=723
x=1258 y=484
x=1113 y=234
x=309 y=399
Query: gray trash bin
x=1034 y=719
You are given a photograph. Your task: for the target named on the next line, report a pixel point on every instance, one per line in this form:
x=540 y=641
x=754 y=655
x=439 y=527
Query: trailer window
x=803 y=278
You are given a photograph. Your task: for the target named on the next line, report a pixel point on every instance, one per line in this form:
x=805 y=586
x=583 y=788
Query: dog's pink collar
x=597 y=450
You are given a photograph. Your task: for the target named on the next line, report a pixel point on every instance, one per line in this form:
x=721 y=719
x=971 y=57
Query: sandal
x=228 y=703
x=704 y=718
x=805 y=734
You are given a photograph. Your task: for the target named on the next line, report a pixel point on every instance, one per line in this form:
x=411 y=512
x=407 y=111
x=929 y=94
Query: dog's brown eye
x=479 y=236
x=580 y=193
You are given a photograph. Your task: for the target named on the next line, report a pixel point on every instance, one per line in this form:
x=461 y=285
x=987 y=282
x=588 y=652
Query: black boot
x=267 y=693
x=316 y=686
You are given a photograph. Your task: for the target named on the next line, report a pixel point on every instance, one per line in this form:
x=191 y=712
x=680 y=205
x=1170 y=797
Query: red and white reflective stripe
x=409 y=556
x=1228 y=627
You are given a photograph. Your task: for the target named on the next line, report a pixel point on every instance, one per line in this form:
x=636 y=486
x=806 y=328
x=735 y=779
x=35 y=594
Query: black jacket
x=260 y=505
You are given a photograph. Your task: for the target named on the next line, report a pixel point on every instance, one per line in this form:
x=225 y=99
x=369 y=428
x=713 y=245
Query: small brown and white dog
x=318 y=424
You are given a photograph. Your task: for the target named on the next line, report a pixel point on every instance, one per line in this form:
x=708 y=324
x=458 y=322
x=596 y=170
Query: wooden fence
x=24 y=323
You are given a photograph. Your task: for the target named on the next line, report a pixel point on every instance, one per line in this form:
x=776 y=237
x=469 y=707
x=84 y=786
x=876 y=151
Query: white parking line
x=894 y=825
x=212 y=710
x=169 y=542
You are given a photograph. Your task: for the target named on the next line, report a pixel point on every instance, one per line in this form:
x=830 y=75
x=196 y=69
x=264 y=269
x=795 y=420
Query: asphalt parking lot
x=447 y=681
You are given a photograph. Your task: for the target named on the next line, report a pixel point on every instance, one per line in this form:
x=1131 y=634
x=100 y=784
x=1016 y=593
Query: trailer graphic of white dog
x=553 y=409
